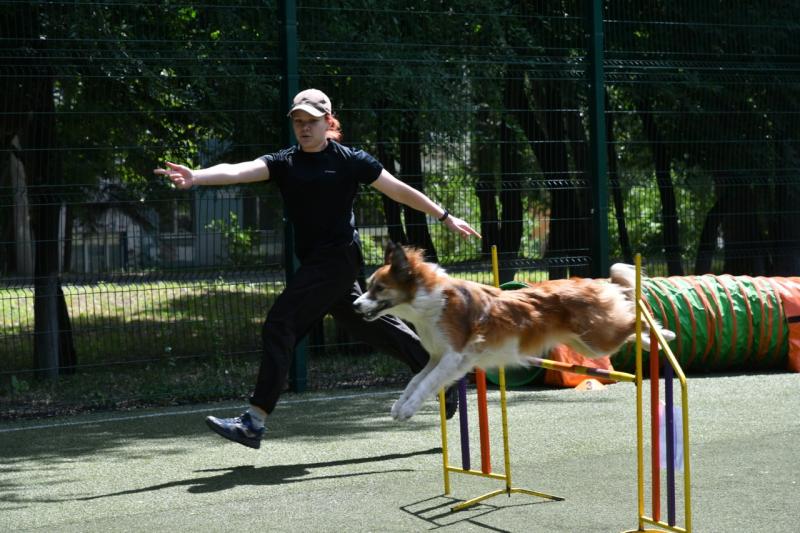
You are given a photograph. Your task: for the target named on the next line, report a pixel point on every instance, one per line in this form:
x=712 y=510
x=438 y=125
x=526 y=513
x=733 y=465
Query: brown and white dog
x=464 y=324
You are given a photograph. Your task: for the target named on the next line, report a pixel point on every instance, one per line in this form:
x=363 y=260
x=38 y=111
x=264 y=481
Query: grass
x=168 y=382
x=338 y=462
x=160 y=343
x=177 y=381
x=127 y=322
x=167 y=342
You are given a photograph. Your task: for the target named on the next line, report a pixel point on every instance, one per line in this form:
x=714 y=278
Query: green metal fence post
x=287 y=14
x=597 y=138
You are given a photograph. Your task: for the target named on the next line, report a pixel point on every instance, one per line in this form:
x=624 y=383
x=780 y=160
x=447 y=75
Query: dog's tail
x=624 y=275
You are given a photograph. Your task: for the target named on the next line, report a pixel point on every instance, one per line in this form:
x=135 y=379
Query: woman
x=318 y=180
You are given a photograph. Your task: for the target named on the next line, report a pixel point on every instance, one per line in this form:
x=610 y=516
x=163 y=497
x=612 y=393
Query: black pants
x=326 y=282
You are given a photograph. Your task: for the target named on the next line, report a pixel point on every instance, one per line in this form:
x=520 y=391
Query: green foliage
x=240 y=241
x=19 y=386
x=140 y=80
x=128 y=97
x=372 y=249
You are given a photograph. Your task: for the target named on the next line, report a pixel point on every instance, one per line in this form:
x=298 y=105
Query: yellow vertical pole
x=495 y=267
x=445 y=458
x=501 y=374
x=639 y=415
x=687 y=471
x=504 y=416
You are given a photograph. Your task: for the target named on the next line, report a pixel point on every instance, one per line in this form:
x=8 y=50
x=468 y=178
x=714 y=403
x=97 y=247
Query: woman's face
x=310 y=131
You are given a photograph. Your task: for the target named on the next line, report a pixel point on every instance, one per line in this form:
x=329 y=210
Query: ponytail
x=334 y=128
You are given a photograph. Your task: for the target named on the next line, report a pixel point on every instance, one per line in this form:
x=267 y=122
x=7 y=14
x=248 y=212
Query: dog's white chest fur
x=425 y=313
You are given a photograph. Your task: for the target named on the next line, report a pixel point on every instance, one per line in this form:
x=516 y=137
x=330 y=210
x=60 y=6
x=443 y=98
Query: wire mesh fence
x=485 y=106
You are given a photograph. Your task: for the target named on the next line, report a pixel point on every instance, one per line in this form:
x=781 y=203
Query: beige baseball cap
x=312 y=101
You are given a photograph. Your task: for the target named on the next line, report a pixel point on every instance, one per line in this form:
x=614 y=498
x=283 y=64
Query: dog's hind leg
x=668 y=335
x=451 y=367
x=412 y=385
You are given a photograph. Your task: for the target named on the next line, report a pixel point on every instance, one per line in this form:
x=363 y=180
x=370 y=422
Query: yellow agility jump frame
x=506 y=476
x=656 y=341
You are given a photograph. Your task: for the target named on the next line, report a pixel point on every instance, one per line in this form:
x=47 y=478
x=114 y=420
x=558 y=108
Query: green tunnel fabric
x=722 y=323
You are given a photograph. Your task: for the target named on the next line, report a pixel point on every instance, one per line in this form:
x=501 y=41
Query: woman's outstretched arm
x=223 y=174
x=405 y=194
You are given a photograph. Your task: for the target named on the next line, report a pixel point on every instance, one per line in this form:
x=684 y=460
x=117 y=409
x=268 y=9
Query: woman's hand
x=180 y=175
x=460 y=227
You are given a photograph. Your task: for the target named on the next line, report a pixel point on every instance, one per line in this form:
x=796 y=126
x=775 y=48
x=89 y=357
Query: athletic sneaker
x=451 y=401
x=239 y=429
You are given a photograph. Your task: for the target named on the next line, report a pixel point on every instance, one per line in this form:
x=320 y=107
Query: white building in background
x=169 y=233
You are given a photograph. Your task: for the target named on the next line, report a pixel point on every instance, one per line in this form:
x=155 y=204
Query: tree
x=713 y=95
x=94 y=98
x=33 y=91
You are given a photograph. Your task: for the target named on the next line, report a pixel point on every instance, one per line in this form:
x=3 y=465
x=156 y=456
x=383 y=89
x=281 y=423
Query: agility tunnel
x=722 y=324
x=725 y=323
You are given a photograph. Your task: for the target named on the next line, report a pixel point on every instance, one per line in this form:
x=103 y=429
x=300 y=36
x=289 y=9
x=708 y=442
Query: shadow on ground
x=436 y=511
x=330 y=420
x=221 y=479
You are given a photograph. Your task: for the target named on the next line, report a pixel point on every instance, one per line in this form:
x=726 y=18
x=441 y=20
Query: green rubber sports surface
x=342 y=464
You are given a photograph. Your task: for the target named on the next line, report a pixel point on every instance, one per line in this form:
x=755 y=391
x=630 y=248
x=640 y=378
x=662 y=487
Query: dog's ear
x=387 y=254
x=399 y=263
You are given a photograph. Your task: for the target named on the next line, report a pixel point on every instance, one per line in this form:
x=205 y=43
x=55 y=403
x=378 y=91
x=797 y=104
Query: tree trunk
x=666 y=190
x=411 y=171
x=42 y=163
x=391 y=209
x=784 y=227
x=740 y=231
x=511 y=223
x=23 y=240
x=66 y=256
x=616 y=187
x=578 y=143
x=708 y=241
x=738 y=206
x=549 y=144
x=485 y=186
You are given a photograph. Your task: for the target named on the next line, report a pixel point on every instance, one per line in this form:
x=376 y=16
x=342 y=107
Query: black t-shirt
x=318 y=190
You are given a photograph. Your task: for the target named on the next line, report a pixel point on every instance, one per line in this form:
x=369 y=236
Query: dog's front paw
x=395 y=409
x=406 y=411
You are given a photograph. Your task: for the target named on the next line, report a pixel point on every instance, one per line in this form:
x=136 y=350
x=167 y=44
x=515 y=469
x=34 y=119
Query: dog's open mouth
x=372 y=313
